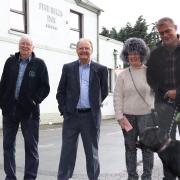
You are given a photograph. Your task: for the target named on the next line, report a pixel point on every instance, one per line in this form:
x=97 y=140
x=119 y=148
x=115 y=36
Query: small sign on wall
x=52 y=14
x=48 y=22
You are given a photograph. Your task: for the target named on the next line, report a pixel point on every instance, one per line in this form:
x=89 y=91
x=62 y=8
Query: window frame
x=24 y=14
x=79 y=30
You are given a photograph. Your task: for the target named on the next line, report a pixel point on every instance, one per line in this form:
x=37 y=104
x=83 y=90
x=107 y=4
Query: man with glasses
x=163 y=75
x=24 y=85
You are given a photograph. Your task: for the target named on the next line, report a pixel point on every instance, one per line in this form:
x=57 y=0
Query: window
x=18 y=15
x=75 y=26
x=109 y=80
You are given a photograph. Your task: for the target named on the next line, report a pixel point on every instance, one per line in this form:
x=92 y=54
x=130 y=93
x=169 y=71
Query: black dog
x=168 y=150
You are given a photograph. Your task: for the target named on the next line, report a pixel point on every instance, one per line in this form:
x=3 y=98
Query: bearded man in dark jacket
x=163 y=75
x=24 y=85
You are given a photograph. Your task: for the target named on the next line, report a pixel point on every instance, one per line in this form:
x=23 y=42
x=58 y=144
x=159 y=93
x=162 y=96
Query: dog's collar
x=165 y=145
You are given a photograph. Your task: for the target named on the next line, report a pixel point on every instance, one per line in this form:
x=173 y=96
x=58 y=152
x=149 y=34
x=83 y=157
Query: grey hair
x=84 y=39
x=136 y=45
x=163 y=21
x=26 y=37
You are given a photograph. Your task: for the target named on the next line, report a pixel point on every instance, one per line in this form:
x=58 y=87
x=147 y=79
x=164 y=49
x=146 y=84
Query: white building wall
x=39 y=20
x=4 y=16
x=106 y=51
x=107 y=48
x=53 y=45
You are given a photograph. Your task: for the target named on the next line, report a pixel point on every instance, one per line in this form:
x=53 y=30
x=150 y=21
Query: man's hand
x=171 y=94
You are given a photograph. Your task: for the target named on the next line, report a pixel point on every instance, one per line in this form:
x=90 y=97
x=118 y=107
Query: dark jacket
x=69 y=88
x=156 y=72
x=35 y=85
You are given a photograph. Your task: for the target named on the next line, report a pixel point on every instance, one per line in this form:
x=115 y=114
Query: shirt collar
x=88 y=64
x=27 y=60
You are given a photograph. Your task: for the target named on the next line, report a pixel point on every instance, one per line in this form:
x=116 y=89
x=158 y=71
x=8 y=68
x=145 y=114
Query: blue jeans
x=139 y=123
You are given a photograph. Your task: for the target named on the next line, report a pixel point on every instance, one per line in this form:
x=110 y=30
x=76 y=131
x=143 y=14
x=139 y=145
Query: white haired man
x=24 y=85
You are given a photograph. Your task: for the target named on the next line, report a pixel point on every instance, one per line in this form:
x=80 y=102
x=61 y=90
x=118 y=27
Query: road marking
x=50 y=129
x=46 y=145
x=114 y=133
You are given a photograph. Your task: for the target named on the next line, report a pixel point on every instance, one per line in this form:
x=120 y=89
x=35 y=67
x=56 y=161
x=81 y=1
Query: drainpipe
x=115 y=54
x=98 y=36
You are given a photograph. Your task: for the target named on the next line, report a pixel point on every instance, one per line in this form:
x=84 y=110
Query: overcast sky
x=118 y=12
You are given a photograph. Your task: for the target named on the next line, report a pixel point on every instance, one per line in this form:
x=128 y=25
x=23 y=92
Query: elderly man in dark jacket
x=82 y=89
x=163 y=75
x=24 y=85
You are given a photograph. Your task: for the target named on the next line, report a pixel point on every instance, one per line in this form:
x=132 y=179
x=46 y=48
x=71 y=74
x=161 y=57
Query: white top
x=126 y=98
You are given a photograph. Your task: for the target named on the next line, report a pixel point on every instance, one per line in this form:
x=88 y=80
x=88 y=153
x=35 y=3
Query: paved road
x=111 y=155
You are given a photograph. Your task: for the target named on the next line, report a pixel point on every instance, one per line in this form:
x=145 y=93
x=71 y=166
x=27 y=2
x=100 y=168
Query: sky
x=117 y=13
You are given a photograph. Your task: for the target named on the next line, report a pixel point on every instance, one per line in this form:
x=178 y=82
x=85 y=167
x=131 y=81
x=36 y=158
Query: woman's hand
x=121 y=122
x=125 y=124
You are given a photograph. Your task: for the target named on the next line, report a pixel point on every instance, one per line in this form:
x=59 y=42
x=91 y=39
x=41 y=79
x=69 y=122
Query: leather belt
x=83 y=110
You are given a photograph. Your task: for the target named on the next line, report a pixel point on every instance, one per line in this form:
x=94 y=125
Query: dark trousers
x=165 y=115
x=30 y=131
x=83 y=124
x=139 y=123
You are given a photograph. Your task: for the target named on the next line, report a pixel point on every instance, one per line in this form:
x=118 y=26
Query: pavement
x=111 y=152
x=109 y=169
x=55 y=118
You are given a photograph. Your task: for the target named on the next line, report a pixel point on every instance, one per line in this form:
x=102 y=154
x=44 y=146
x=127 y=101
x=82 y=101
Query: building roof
x=89 y=5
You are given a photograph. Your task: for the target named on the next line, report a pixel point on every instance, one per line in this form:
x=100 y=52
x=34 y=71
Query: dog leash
x=173 y=121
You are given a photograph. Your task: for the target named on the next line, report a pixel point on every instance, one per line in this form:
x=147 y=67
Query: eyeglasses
x=25 y=44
